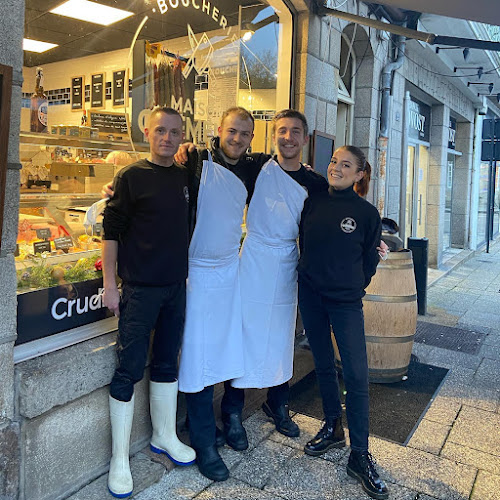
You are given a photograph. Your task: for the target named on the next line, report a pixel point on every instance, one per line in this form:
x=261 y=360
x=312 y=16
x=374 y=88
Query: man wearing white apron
x=212 y=349
x=268 y=265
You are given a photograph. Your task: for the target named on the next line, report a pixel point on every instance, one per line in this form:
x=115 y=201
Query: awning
x=484 y=11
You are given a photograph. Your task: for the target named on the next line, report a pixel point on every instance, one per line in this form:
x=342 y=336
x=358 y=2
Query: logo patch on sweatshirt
x=348 y=225
x=186 y=194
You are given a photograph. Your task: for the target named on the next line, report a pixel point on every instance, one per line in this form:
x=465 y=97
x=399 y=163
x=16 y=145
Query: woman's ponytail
x=361 y=187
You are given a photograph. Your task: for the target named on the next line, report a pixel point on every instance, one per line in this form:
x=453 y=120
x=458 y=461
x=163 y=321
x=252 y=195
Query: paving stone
x=429 y=436
x=448 y=359
x=423 y=472
x=443 y=411
x=492 y=339
x=310 y=478
x=182 y=483
x=488 y=374
x=258 y=427
x=470 y=395
x=469 y=456
x=478 y=429
x=473 y=319
x=490 y=351
x=262 y=463
x=487 y=487
x=235 y=490
x=144 y=473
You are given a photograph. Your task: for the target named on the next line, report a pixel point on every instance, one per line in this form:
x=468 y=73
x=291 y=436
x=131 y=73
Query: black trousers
x=346 y=319
x=142 y=309
x=201 y=412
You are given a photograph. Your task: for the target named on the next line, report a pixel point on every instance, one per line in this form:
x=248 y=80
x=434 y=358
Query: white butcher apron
x=212 y=348
x=268 y=278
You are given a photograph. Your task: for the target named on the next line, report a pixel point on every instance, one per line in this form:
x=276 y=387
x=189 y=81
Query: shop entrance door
x=416 y=190
x=450 y=167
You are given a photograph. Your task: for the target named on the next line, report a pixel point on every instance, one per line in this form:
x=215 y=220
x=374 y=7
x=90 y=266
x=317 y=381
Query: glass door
x=450 y=166
x=421 y=198
x=410 y=173
x=416 y=191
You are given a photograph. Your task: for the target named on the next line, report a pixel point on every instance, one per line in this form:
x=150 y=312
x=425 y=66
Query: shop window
x=86 y=99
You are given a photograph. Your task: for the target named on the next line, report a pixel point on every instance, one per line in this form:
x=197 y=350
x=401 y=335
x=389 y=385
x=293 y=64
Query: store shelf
x=80 y=142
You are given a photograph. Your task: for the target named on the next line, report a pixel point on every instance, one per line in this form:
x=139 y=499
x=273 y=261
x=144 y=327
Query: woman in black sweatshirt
x=339 y=237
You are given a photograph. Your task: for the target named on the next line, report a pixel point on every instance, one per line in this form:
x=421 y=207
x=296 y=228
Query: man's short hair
x=164 y=109
x=290 y=113
x=241 y=113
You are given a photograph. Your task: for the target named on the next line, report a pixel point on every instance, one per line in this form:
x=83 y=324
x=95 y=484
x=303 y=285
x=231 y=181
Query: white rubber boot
x=121 y=413
x=163 y=407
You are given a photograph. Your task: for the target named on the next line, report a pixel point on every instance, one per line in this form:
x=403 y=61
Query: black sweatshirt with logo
x=148 y=216
x=339 y=236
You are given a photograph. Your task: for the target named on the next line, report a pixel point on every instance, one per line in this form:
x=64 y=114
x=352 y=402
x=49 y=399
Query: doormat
x=447 y=337
x=395 y=409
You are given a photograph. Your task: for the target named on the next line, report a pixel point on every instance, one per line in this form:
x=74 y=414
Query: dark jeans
x=201 y=412
x=346 y=319
x=142 y=309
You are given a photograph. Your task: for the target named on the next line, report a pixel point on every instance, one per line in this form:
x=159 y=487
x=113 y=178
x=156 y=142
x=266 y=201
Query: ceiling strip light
x=37 y=46
x=92 y=12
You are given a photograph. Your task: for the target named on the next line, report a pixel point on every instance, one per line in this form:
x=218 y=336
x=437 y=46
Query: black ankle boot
x=284 y=424
x=361 y=466
x=330 y=436
x=210 y=463
x=235 y=433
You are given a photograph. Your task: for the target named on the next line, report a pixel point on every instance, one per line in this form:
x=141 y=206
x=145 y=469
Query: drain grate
x=446 y=337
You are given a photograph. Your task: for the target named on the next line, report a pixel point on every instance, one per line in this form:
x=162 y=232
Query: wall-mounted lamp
x=490 y=85
x=465 y=51
x=480 y=70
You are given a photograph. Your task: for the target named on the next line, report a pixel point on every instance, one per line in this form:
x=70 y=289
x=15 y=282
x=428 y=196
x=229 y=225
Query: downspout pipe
x=385 y=115
x=387 y=73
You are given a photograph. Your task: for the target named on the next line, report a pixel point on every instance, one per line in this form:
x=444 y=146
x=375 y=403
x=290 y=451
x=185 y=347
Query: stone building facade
x=54 y=422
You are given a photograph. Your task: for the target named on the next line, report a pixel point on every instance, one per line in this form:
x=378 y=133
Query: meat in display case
x=58 y=259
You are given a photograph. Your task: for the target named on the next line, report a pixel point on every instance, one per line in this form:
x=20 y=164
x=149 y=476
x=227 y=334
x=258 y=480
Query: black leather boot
x=210 y=463
x=361 y=466
x=284 y=424
x=330 y=436
x=235 y=433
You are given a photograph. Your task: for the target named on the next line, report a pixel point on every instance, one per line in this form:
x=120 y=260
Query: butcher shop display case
x=58 y=257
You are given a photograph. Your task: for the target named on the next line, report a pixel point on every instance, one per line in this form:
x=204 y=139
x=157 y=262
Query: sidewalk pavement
x=454 y=452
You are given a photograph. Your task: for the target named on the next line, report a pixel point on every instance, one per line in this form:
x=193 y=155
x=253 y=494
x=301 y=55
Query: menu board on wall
x=97 y=91
x=119 y=90
x=77 y=92
x=109 y=123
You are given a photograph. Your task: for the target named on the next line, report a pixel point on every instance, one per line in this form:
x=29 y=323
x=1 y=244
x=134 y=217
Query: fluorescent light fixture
x=37 y=46
x=92 y=12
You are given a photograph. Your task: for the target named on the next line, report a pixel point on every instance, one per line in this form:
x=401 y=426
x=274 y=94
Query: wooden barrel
x=390 y=310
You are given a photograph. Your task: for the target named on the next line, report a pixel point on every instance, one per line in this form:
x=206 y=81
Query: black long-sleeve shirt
x=148 y=216
x=340 y=232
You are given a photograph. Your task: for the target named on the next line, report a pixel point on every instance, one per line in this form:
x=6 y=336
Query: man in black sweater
x=146 y=241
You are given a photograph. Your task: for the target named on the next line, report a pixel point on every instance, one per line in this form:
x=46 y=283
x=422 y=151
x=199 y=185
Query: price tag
x=63 y=243
x=41 y=246
x=44 y=233
x=97 y=229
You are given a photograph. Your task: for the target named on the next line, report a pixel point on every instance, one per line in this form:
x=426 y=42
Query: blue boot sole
x=119 y=495
x=159 y=451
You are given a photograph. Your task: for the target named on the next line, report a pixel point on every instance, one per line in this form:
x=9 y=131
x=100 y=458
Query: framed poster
x=119 y=88
x=321 y=151
x=5 y=99
x=77 y=93
x=97 y=91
